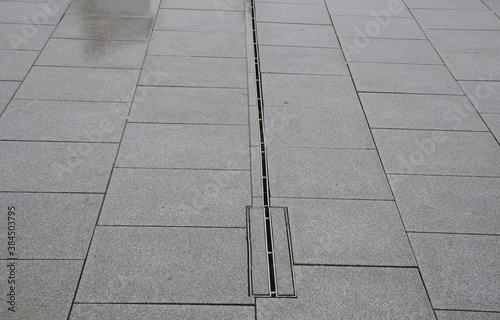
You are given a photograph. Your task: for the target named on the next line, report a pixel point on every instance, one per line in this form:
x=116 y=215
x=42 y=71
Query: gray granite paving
x=448 y=204
x=309 y=91
x=364 y=28
x=56 y=167
x=177 y=198
x=194 y=72
x=197 y=44
x=466 y=66
x=220 y=5
x=292 y=13
x=297 y=35
x=63 y=121
x=465 y=41
x=361 y=293
x=190 y=105
x=24 y=36
x=275 y=59
x=93 y=53
x=460 y=271
x=31 y=13
x=347 y=232
x=46 y=290
x=417 y=111
x=84 y=84
x=483 y=95
x=15 y=64
x=52 y=226
x=158 y=312
x=317 y=127
x=199 y=20
x=326 y=173
x=456 y=19
x=493 y=122
x=403 y=78
x=368 y=8
x=438 y=152
x=166 y=265
x=145 y=8
x=445 y=4
x=450 y=315
x=7 y=90
x=185 y=146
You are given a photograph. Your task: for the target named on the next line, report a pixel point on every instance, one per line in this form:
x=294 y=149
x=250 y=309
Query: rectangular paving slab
x=316 y=127
x=347 y=232
x=309 y=91
x=7 y=90
x=296 y=35
x=32 y=13
x=24 y=36
x=417 y=111
x=466 y=315
x=448 y=204
x=465 y=41
x=104 y=27
x=140 y=8
x=363 y=28
x=161 y=197
x=158 y=312
x=185 y=146
x=460 y=271
x=200 y=20
x=194 y=72
x=15 y=64
x=93 y=53
x=55 y=166
x=326 y=173
x=166 y=265
x=84 y=84
x=457 y=19
x=446 y=4
x=326 y=293
x=44 y=289
x=484 y=95
x=190 y=105
x=493 y=122
x=63 y=121
x=219 y=5
x=197 y=44
x=292 y=13
x=403 y=78
x=465 y=66
x=438 y=152
x=275 y=59
x=368 y=8
x=51 y=225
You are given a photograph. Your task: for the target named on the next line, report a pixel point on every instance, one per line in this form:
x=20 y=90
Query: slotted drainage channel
x=271 y=268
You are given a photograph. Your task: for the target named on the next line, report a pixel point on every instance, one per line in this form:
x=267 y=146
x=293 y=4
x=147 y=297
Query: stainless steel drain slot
x=259 y=266
x=282 y=253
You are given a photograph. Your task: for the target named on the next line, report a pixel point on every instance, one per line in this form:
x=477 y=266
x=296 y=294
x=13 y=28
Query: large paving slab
x=446 y=4
x=44 y=289
x=56 y=167
x=309 y=91
x=31 y=13
x=347 y=232
x=194 y=72
x=326 y=173
x=219 y=5
x=349 y=292
x=138 y=8
x=83 y=84
x=466 y=66
x=7 y=90
x=197 y=44
x=448 y=204
x=438 y=152
x=391 y=51
x=368 y=8
x=403 y=78
x=15 y=64
x=159 y=312
x=185 y=146
x=24 y=36
x=276 y=59
x=166 y=265
x=493 y=122
x=484 y=95
x=465 y=41
x=417 y=111
x=297 y=35
x=317 y=127
x=471 y=315
x=292 y=13
x=104 y=27
x=456 y=19
x=460 y=271
x=63 y=121
x=93 y=53
x=364 y=28
x=177 y=198
x=200 y=20
x=190 y=105
x=52 y=226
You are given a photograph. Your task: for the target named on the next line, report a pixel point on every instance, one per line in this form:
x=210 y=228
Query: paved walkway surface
x=172 y=159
